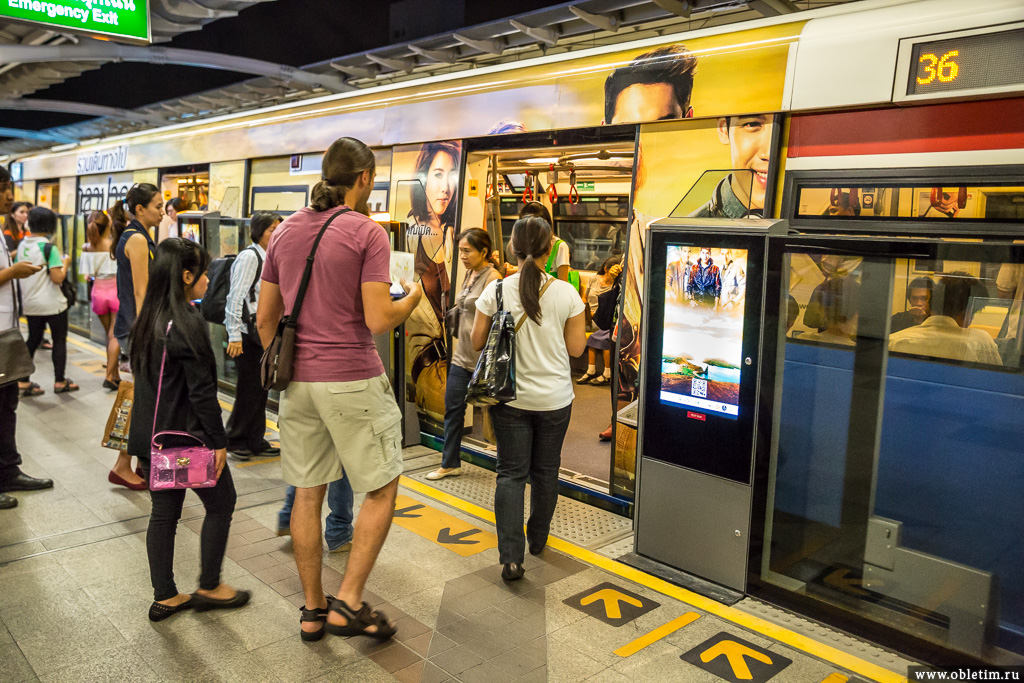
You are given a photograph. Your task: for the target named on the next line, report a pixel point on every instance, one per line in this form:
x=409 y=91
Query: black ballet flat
x=108 y=384
x=204 y=604
x=159 y=612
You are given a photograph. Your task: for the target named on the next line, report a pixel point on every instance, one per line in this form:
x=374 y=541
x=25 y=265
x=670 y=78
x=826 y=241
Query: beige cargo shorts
x=329 y=429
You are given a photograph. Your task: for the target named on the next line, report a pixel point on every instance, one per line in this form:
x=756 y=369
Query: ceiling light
x=541 y=160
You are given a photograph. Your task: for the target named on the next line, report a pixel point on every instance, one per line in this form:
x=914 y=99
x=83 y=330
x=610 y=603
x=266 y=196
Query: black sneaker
x=512 y=571
x=240 y=456
x=269 y=452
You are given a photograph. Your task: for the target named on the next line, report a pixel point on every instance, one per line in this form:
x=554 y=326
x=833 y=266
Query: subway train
x=881 y=153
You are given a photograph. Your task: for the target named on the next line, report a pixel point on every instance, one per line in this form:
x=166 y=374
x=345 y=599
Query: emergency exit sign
x=124 y=19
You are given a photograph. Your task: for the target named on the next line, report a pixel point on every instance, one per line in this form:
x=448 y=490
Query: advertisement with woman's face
x=426 y=180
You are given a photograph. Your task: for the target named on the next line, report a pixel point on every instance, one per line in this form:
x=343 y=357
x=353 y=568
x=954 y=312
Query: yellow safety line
x=836 y=678
x=795 y=640
x=630 y=649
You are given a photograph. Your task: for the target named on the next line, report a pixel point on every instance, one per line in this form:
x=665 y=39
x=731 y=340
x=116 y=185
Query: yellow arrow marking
x=848 y=584
x=736 y=653
x=836 y=678
x=611 y=599
x=436 y=526
x=630 y=649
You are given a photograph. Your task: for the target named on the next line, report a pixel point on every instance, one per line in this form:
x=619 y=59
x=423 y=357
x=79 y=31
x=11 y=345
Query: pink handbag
x=179 y=467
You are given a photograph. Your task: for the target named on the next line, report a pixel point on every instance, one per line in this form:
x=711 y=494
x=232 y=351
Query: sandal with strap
x=310 y=615
x=31 y=390
x=66 y=386
x=359 y=621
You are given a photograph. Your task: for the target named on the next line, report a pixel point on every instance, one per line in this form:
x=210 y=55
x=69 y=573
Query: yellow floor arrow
x=840 y=580
x=611 y=599
x=736 y=653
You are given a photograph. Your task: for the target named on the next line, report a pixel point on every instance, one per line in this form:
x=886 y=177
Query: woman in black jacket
x=188 y=403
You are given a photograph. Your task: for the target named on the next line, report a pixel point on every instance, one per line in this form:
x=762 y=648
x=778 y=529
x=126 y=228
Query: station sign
x=127 y=20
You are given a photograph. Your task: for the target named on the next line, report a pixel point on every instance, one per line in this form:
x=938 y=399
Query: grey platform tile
x=568 y=665
x=20 y=551
x=521 y=661
x=82 y=642
x=118 y=664
x=423 y=605
x=77 y=538
x=183 y=648
x=694 y=634
x=593 y=638
x=609 y=675
x=293 y=660
x=487 y=672
x=395 y=658
x=434 y=674
x=363 y=671
x=807 y=669
x=16 y=668
x=440 y=643
x=457 y=660
x=38 y=612
x=660 y=662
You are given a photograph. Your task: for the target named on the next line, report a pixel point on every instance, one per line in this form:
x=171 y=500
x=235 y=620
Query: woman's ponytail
x=119 y=221
x=531 y=238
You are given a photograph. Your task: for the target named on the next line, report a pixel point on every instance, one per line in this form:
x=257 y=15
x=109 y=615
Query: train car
x=868 y=127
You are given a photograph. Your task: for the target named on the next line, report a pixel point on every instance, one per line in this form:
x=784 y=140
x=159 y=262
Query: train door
x=585 y=188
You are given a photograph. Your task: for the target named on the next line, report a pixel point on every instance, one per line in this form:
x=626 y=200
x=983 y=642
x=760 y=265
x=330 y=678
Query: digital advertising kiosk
x=704 y=290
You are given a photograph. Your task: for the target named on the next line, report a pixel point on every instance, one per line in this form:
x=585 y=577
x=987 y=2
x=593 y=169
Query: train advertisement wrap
x=731 y=73
x=426 y=182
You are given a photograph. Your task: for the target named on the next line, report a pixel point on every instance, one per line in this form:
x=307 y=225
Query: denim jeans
x=339 y=519
x=529 y=447
x=454 y=414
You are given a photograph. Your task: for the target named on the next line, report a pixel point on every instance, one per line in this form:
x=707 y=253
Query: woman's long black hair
x=121 y=213
x=531 y=238
x=418 y=192
x=166 y=301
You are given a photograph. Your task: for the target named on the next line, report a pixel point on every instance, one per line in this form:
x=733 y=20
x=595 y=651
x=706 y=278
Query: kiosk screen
x=702 y=336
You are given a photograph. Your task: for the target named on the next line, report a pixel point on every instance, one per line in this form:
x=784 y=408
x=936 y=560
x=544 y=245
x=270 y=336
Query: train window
x=912 y=202
x=594 y=228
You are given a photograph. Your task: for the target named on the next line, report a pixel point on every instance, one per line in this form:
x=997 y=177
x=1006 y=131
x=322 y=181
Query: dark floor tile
x=433 y=674
x=410 y=674
x=243 y=552
x=409 y=628
x=245 y=525
x=440 y=643
x=489 y=619
x=288 y=586
x=563 y=562
x=260 y=534
x=490 y=645
x=517 y=663
x=278 y=572
x=464 y=584
x=368 y=646
x=395 y=658
x=282 y=556
x=457 y=660
x=519 y=607
x=421 y=643
x=460 y=631
x=538 y=675
x=485 y=673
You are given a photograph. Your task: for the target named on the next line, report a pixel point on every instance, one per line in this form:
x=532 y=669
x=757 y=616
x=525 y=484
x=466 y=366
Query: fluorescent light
x=381 y=217
x=542 y=160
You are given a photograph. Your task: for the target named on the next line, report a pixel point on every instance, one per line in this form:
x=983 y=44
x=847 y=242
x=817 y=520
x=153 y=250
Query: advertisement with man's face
x=710 y=168
x=425 y=182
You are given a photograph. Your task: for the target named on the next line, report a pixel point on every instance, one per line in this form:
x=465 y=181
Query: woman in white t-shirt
x=42 y=301
x=530 y=430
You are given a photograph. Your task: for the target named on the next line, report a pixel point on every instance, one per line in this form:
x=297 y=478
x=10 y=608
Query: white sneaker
x=441 y=473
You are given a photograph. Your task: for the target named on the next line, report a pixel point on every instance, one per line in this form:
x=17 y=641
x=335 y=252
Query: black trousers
x=9 y=457
x=248 y=422
x=219 y=502
x=59 y=330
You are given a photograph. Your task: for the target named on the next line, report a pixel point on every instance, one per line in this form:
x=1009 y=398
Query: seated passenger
x=601 y=294
x=943 y=335
x=919 y=296
x=839 y=299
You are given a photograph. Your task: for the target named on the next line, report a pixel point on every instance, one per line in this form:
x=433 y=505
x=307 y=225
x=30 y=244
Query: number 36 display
x=969 y=62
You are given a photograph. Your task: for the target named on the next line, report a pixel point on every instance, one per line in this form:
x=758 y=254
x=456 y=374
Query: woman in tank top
x=98 y=264
x=475 y=255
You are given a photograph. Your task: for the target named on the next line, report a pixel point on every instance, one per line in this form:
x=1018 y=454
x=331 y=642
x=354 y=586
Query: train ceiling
x=47 y=96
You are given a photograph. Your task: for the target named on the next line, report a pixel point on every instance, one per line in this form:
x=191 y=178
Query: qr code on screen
x=699 y=388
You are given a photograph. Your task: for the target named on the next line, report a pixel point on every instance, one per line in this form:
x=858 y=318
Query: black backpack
x=607 y=305
x=214 y=303
x=67 y=287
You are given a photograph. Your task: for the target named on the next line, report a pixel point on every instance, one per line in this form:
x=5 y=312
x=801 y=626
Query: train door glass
x=586 y=189
x=224 y=237
x=897 y=473
x=193 y=189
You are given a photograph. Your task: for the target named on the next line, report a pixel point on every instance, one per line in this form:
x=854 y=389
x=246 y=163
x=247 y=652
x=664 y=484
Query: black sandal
x=31 y=390
x=159 y=612
x=318 y=614
x=358 y=622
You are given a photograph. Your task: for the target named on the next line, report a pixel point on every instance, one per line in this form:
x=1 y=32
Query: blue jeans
x=529 y=447
x=454 y=414
x=339 y=520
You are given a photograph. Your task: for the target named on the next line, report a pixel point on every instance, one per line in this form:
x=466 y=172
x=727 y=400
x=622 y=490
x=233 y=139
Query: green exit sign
x=125 y=19
x=585 y=186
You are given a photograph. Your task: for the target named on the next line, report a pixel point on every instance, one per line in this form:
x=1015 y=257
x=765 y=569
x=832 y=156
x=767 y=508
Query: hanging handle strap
x=293 y=317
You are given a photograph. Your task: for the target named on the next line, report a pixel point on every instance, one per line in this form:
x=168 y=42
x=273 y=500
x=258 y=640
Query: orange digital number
x=928 y=68
x=943 y=68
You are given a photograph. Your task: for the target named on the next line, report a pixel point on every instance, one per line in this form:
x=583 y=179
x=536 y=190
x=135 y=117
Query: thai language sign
x=103 y=161
x=120 y=18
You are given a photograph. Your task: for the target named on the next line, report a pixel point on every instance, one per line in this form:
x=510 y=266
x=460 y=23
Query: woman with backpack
x=601 y=302
x=42 y=300
x=530 y=430
x=176 y=391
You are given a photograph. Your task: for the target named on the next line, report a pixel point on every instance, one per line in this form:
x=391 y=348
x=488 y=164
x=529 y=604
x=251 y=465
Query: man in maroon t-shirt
x=338 y=416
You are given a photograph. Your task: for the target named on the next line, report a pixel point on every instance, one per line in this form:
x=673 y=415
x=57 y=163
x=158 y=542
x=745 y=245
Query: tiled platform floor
x=74 y=588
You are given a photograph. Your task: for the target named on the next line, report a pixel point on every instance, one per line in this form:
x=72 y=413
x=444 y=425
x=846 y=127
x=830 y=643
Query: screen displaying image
x=705 y=290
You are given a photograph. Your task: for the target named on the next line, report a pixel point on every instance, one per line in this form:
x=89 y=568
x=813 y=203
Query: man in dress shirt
x=247 y=425
x=943 y=334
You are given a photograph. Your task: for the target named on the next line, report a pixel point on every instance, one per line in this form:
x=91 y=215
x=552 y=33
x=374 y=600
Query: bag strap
x=160 y=381
x=522 y=321
x=259 y=271
x=293 y=317
x=552 y=256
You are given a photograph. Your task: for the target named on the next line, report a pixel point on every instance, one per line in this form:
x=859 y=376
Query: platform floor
x=74 y=587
